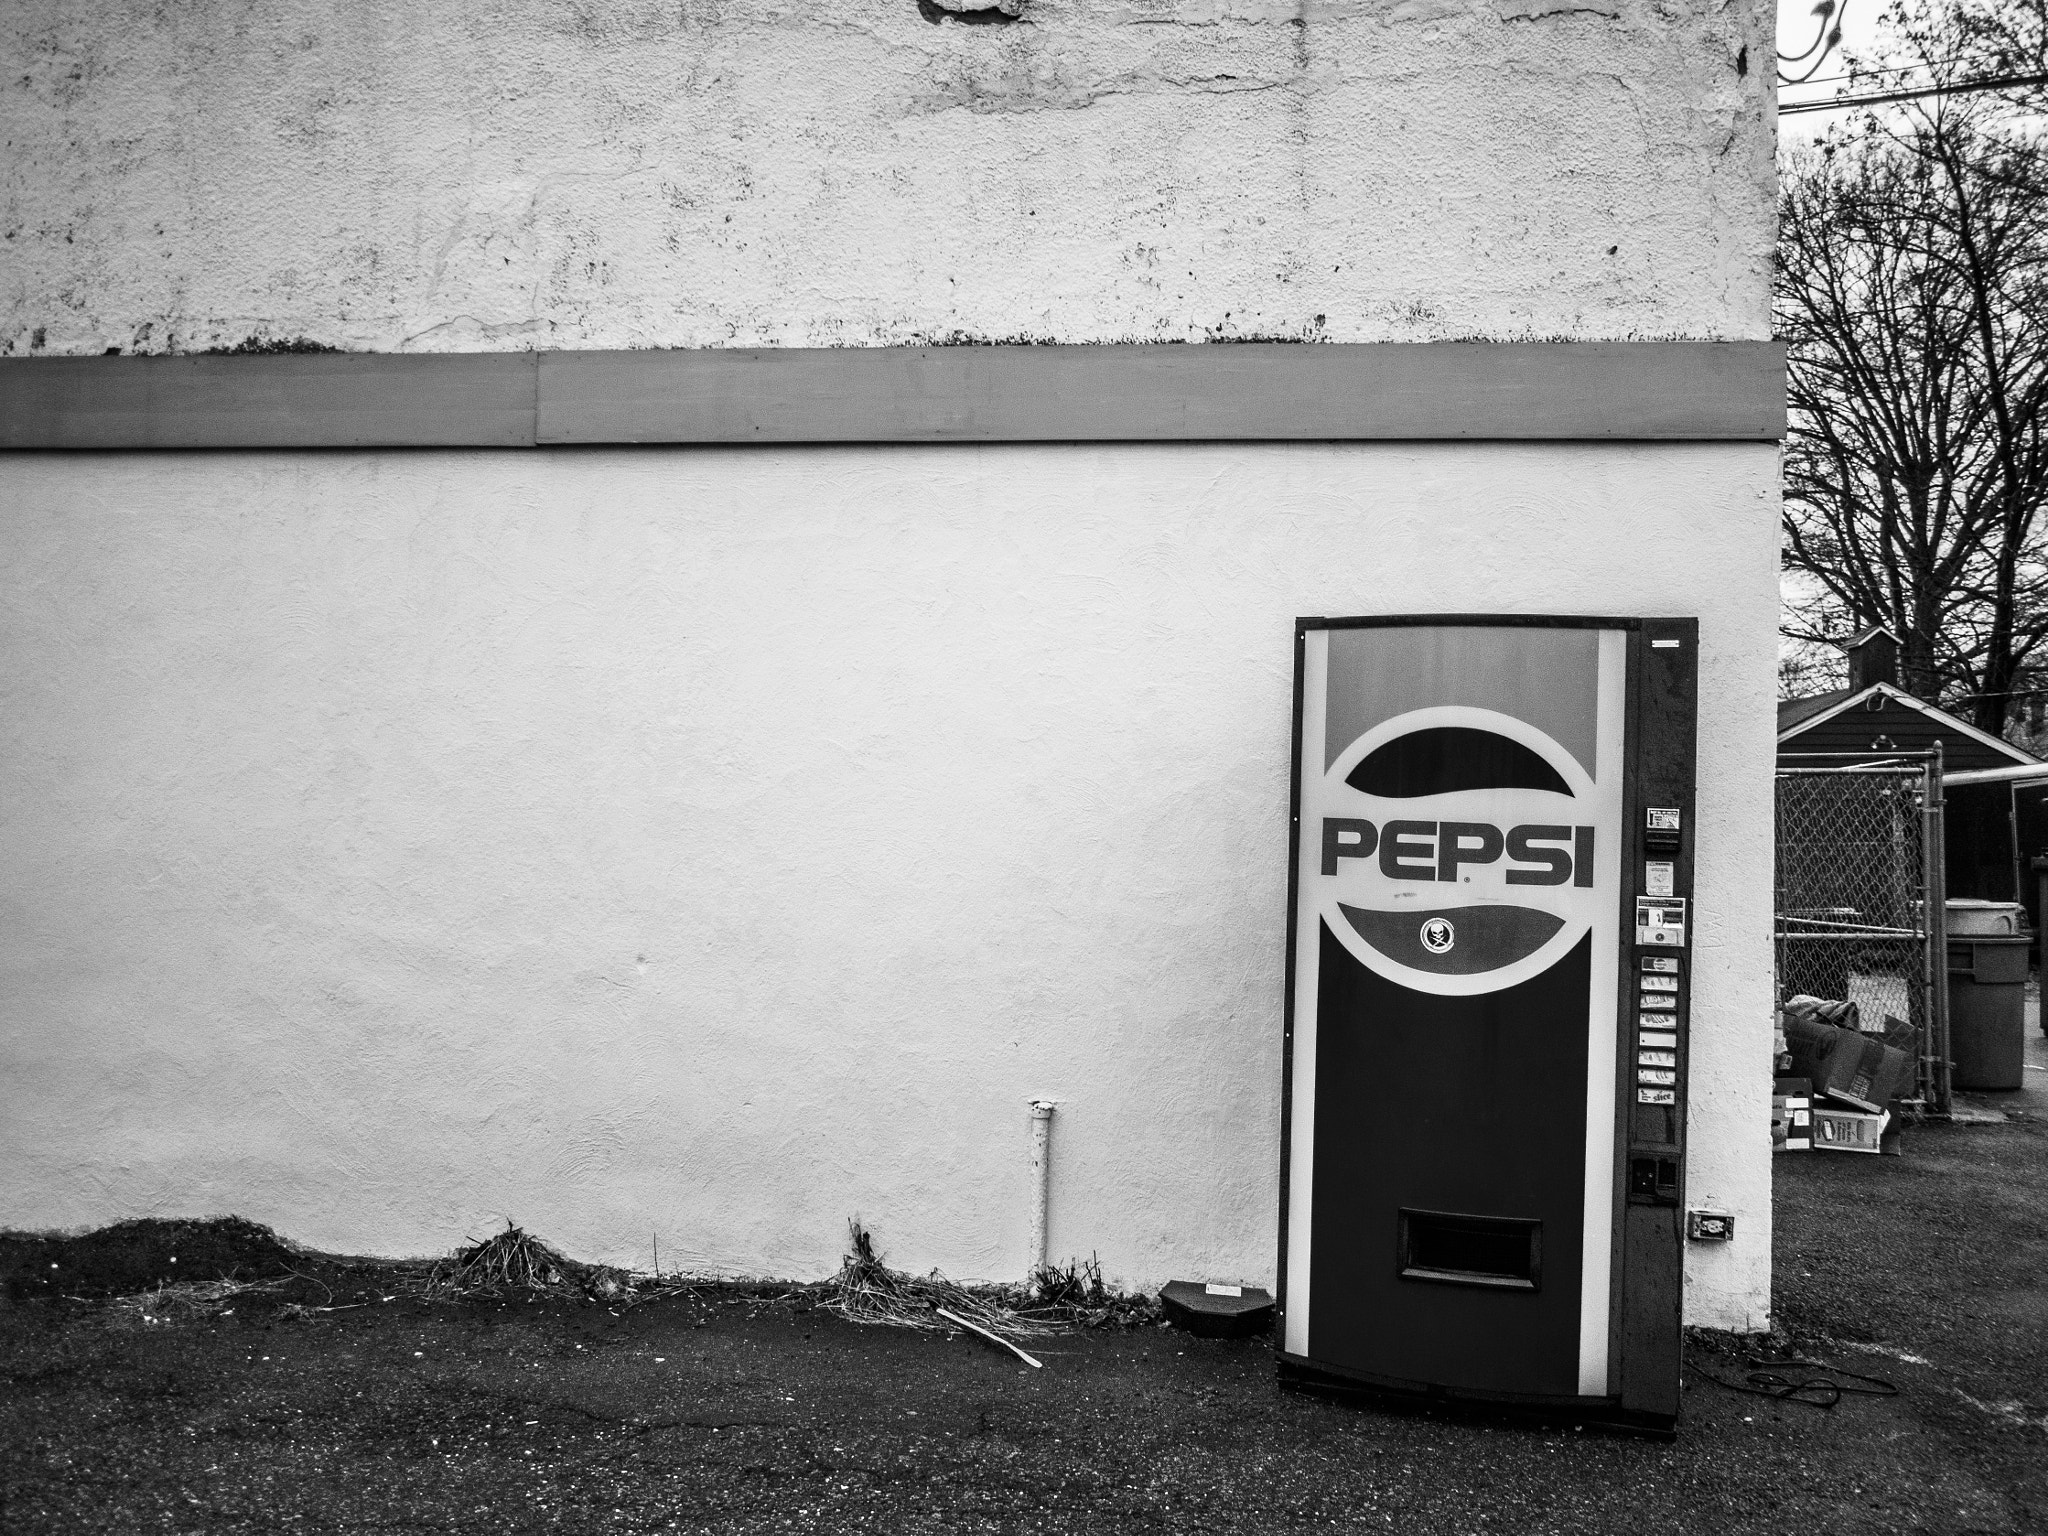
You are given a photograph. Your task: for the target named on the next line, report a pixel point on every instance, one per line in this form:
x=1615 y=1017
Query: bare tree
x=2007 y=40
x=1911 y=290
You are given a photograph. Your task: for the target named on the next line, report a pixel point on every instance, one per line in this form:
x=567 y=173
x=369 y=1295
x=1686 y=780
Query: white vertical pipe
x=1041 y=1178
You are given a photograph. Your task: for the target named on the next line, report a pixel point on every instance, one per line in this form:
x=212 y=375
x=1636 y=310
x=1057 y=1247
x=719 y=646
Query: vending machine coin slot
x=1653 y=1181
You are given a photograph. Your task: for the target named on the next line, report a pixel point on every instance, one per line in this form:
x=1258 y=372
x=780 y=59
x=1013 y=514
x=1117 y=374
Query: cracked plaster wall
x=481 y=175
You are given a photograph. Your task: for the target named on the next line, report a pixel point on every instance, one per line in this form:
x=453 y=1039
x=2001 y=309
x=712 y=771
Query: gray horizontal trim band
x=1657 y=390
x=299 y=400
x=1617 y=391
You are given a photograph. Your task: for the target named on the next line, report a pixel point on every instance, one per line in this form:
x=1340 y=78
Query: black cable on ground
x=1815 y=1383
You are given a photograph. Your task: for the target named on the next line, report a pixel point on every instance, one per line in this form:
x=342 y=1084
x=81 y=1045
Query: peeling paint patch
x=1047 y=85
x=971 y=12
x=1537 y=10
x=1411 y=12
x=268 y=346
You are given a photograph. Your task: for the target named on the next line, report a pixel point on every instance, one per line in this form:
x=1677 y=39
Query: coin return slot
x=1505 y=1253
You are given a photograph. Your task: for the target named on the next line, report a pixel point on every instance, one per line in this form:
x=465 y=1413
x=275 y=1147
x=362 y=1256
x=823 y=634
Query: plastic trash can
x=1987 y=1011
x=1971 y=918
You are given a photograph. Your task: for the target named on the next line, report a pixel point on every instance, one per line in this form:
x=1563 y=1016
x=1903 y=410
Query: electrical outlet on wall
x=1709 y=1227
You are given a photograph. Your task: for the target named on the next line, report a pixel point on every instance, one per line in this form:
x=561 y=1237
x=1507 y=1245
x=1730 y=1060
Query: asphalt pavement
x=725 y=1411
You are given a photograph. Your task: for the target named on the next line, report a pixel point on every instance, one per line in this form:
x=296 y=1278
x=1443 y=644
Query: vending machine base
x=1510 y=1408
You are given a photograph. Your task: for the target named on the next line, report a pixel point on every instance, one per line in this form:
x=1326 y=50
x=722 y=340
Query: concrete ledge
x=1639 y=391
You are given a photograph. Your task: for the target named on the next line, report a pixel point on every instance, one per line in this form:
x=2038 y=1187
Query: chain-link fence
x=1860 y=893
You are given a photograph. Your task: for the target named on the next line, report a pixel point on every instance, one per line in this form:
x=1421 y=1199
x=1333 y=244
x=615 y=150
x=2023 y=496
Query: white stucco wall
x=623 y=173
x=717 y=844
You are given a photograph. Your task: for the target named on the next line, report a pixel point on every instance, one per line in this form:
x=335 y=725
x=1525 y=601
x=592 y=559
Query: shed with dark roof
x=1873 y=714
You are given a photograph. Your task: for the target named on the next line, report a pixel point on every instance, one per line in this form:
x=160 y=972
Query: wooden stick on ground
x=993 y=1338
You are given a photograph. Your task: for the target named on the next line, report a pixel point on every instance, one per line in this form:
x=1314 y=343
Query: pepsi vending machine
x=1488 y=941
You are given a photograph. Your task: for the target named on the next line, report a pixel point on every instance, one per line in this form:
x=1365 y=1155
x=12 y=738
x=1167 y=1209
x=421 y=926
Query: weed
x=515 y=1263
x=1078 y=1295
x=867 y=1291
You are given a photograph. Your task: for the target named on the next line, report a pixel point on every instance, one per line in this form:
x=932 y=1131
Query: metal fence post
x=1935 y=838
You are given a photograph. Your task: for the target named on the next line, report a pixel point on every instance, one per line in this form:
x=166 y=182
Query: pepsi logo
x=1456 y=850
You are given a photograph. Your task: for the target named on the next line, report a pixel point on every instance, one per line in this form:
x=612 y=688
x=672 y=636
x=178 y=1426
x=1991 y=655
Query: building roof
x=1792 y=711
x=1842 y=709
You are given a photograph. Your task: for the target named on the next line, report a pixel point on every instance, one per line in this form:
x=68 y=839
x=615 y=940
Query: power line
x=1864 y=72
x=2004 y=693
x=1876 y=98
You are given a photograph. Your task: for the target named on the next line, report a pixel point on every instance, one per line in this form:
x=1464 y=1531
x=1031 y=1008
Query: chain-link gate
x=1860 y=896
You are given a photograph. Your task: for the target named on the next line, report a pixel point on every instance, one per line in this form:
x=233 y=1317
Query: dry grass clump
x=185 y=1300
x=515 y=1263
x=867 y=1291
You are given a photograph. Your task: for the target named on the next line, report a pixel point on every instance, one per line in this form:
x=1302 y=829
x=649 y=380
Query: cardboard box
x=1792 y=1115
x=1859 y=1070
x=1841 y=1130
